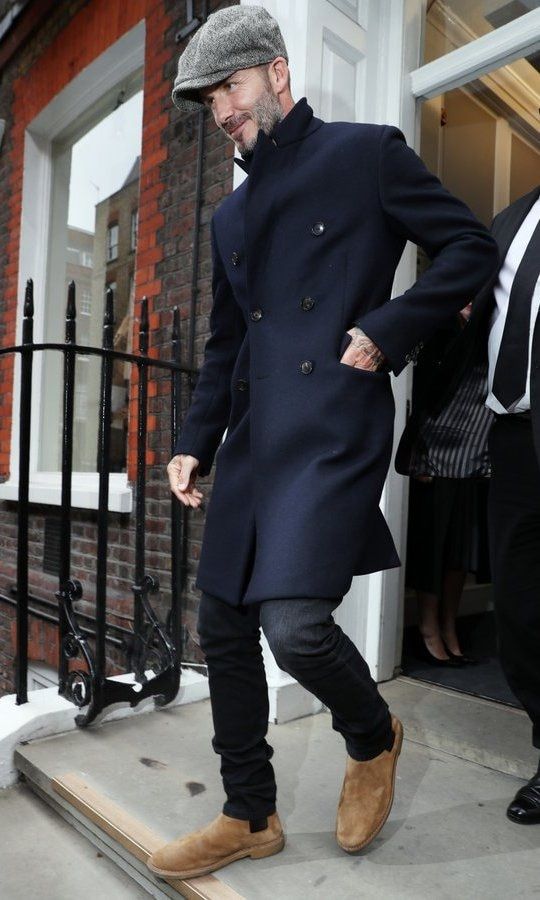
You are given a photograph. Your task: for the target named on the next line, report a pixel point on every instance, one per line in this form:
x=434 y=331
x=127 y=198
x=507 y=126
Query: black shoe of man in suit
x=525 y=807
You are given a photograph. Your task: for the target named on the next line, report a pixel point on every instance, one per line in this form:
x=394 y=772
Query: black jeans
x=514 y=526
x=307 y=644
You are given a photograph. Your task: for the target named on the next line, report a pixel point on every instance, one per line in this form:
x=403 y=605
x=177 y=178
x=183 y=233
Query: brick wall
x=73 y=35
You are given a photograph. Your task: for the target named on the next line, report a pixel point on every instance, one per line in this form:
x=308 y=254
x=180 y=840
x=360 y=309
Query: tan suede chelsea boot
x=216 y=845
x=367 y=795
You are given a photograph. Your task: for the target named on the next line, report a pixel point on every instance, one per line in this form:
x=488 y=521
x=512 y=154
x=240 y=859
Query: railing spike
x=143 y=326
x=29 y=299
x=71 y=314
x=144 y=313
x=28 y=320
x=175 y=337
x=108 y=319
x=109 y=307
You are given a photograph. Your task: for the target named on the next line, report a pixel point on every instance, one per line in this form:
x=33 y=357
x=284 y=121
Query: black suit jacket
x=446 y=436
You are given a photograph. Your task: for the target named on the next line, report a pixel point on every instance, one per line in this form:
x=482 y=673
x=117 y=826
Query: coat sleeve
x=462 y=252
x=208 y=414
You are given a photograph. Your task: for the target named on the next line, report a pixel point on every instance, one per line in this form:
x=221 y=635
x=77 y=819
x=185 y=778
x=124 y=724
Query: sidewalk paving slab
x=43 y=858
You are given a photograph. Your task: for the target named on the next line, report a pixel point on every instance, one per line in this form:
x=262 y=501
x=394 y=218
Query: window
x=453 y=23
x=482 y=138
x=97 y=207
x=85 y=303
x=97 y=210
x=112 y=242
x=96 y=204
x=134 y=228
x=64 y=149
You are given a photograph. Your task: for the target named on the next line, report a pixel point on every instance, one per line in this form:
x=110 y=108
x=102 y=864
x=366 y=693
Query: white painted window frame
x=134 y=229
x=485 y=54
x=113 y=235
x=117 y=64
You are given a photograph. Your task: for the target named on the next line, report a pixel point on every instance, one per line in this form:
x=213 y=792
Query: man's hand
x=465 y=314
x=362 y=353
x=182 y=472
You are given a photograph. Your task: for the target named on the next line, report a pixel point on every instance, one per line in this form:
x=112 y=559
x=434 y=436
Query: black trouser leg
x=514 y=524
x=311 y=647
x=239 y=698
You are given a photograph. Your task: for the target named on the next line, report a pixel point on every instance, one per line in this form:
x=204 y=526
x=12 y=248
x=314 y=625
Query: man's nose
x=223 y=112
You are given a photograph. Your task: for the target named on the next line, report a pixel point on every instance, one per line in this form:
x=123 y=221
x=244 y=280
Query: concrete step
x=122 y=837
x=136 y=782
x=492 y=734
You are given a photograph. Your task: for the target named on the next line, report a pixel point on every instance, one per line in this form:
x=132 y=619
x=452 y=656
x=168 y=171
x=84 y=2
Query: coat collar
x=296 y=125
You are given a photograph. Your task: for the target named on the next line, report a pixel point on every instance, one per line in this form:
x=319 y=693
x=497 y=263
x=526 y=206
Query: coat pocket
x=345 y=341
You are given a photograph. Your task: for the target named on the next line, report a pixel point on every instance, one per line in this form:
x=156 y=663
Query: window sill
x=46 y=487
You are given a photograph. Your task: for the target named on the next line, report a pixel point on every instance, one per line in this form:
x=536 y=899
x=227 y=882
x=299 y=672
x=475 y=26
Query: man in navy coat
x=304 y=336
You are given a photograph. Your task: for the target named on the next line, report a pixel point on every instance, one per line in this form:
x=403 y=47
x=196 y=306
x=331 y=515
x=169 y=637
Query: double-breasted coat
x=305 y=248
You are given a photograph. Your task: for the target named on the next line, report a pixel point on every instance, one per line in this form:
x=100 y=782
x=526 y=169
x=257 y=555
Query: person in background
x=498 y=356
x=444 y=537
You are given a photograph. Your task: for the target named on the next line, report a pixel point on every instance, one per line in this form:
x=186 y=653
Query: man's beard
x=266 y=113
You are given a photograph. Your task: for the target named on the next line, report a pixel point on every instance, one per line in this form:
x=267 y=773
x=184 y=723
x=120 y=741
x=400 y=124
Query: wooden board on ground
x=134 y=836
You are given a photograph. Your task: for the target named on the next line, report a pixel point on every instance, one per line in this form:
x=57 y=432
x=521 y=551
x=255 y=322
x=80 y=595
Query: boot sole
x=373 y=834
x=256 y=852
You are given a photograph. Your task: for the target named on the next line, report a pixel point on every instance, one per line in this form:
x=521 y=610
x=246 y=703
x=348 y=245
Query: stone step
x=492 y=734
x=131 y=784
x=108 y=826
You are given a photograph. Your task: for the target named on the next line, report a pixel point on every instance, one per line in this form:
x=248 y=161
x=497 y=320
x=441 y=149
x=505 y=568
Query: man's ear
x=278 y=72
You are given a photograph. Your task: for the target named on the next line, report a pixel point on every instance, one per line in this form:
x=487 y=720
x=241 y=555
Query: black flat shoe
x=525 y=807
x=422 y=653
x=463 y=658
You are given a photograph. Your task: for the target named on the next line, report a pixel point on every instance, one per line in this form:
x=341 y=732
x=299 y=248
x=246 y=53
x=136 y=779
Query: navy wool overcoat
x=303 y=250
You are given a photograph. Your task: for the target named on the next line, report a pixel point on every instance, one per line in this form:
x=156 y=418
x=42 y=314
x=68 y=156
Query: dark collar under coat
x=504 y=229
x=295 y=126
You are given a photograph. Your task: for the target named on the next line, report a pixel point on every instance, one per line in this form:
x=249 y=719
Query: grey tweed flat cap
x=233 y=38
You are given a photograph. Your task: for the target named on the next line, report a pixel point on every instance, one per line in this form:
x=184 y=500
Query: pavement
x=43 y=858
x=447 y=835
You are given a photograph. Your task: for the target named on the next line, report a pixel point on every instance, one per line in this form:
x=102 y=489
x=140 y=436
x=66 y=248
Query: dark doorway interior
x=486 y=679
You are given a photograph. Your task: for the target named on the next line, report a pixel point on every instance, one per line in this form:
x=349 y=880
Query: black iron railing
x=154 y=645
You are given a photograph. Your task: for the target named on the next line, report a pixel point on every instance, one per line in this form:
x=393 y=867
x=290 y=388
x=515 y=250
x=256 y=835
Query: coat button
x=256 y=314
x=235 y=259
x=318 y=228
x=306 y=367
x=241 y=384
x=307 y=303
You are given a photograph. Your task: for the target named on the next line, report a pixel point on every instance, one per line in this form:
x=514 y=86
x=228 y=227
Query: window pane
x=91 y=244
x=134 y=228
x=453 y=23
x=482 y=139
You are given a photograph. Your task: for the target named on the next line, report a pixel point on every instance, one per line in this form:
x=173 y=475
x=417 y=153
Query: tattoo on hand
x=365 y=345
